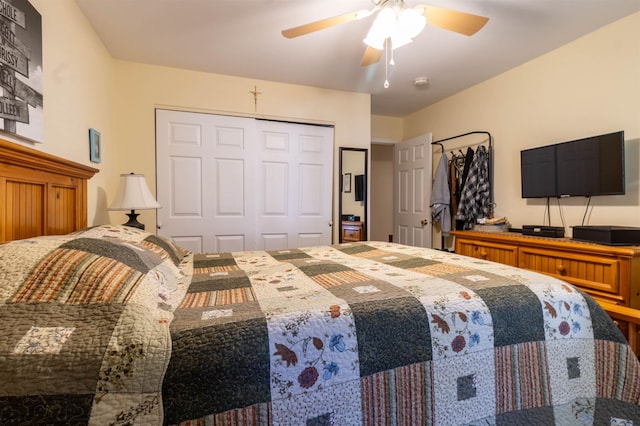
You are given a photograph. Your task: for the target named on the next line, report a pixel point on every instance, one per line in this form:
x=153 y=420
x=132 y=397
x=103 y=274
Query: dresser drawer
x=597 y=273
x=350 y=234
x=494 y=252
x=352 y=231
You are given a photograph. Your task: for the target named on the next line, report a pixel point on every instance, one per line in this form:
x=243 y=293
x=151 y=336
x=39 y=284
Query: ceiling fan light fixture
x=410 y=22
x=395 y=21
x=373 y=40
x=381 y=29
x=401 y=25
x=398 y=40
x=364 y=13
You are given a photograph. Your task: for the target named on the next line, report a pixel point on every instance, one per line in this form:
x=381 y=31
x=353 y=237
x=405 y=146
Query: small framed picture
x=346 y=183
x=95 y=146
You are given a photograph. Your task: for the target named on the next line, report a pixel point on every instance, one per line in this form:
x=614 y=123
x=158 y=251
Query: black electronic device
x=609 y=235
x=582 y=167
x=543 y=231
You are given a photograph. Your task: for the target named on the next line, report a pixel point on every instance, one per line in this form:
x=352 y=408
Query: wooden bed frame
x=41 y=194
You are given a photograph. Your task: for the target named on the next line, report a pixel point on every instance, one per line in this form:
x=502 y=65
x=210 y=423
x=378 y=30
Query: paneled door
x=412 y=193
x=236 y=184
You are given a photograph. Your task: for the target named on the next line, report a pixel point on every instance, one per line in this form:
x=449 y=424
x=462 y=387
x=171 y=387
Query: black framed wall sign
x=346 y=182
x=21 y=77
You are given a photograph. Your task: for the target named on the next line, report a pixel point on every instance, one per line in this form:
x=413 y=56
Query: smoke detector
x=420 y=81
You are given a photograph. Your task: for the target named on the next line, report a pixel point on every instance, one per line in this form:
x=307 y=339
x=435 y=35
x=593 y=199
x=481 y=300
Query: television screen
x=583 y=167
x=538 y=172
x=591 y=166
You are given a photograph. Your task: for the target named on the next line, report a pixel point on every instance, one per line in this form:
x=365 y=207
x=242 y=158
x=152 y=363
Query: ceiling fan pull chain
x=386 y=63
x=392 y=61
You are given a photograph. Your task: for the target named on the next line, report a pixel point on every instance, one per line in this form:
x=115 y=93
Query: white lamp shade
x=133 y=194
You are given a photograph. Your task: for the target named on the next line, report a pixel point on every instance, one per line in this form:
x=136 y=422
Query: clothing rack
x=489 y=149
x=490 y=154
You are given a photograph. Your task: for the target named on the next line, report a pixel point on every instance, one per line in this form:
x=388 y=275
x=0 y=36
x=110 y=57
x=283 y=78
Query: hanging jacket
x=475 y=200
x=468 y=161
x=441 y=196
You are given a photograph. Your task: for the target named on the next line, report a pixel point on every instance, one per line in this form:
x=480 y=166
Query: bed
x=113 y=325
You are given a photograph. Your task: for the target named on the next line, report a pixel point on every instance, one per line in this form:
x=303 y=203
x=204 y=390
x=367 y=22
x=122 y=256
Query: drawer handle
x=483 y=254
x=561 y=269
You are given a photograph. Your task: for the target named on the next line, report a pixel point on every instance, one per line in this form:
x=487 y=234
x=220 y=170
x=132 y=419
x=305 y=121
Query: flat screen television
x=582 y=167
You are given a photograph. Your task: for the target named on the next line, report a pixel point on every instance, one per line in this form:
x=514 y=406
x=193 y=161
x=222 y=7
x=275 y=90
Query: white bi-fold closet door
x=237 y=184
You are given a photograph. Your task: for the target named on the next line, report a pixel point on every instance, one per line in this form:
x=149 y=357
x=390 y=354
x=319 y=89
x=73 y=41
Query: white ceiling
x=242 y=38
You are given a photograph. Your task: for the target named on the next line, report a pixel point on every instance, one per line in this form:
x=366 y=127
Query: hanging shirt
x=441 y=196
x=475 y=200
x=468 y=161
x=454 y=186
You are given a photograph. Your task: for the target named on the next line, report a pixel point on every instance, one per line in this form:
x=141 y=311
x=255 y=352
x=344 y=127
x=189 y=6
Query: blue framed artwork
x=95 y=146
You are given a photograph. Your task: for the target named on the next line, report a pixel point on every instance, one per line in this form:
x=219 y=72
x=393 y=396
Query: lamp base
x=133 y=220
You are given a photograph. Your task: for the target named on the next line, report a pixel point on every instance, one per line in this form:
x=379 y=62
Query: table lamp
x=133 y=194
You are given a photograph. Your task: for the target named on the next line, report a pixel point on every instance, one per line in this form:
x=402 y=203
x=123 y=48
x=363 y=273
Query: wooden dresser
x=611 y=274
x=352 y=231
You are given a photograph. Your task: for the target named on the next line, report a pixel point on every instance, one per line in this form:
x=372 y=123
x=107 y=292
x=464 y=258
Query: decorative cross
x=255 y=94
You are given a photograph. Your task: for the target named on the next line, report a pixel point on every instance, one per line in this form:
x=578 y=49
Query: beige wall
x=386 y=129
x=78 y=94
x=590 y=86
x=84 y=87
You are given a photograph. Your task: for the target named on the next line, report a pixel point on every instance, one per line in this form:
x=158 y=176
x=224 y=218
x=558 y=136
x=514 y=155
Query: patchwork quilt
x=115 y=326
x=84 y=327
x=380 y=333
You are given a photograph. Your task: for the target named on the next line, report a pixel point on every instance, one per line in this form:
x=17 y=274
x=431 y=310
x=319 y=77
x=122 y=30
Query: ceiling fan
x=396 y=24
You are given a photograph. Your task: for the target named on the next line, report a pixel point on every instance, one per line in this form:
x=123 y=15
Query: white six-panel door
x=235 y=184
x=412 y=192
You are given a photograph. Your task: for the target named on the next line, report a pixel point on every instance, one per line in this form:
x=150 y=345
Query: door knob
x=424 y=222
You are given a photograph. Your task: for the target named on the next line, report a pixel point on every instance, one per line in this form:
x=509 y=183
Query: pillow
x=162 y=246
x=79 y=271
x=172 y=266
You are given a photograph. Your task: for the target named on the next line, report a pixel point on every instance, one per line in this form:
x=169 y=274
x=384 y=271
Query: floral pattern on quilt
x=460 y=324
x=43 y=340
x=566 y=313
x=306 y=360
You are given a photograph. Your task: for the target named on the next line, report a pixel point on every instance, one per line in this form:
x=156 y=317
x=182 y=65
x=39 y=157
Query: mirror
x=353 y=194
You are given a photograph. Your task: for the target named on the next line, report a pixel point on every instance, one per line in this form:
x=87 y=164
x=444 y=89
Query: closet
x=236 y=183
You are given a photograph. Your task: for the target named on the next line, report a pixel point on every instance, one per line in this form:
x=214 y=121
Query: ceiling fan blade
x=371 y=56
x=453 y=20
x=321 y=24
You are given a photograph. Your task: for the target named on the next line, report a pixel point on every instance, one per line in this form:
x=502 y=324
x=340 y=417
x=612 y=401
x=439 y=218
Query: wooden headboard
x=40 y=194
